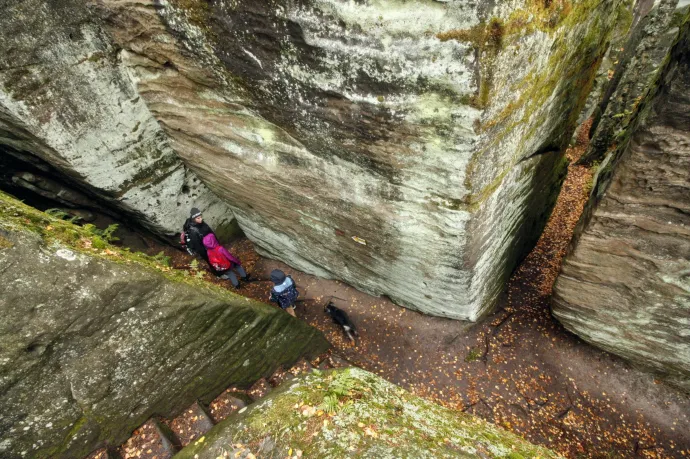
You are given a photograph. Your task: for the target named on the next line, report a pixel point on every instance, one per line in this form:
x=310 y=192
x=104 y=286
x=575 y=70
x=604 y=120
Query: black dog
x=340 y=318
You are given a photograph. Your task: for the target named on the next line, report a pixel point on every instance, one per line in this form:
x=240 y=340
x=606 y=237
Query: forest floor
x=518 y=368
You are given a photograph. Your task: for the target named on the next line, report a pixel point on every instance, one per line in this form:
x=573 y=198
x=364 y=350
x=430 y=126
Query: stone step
x=153 y=440
x=302 y=366
x=192 y=424
x=338 y=362
x=324 y=365
x=321 y=362
x=259 y=389
x=109 y=452
x=279 y=377
x=224 y=405
x=159 y=440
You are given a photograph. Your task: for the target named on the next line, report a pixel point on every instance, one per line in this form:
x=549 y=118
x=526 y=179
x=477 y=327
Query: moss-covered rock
x=636 y=77
x=354 y=413
x=95 y=340
x=625 y=286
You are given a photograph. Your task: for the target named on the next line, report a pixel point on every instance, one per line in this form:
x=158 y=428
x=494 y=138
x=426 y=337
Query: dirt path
x=518 y=368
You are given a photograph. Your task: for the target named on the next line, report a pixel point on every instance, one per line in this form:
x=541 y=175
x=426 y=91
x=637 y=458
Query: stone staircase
x=161 y=438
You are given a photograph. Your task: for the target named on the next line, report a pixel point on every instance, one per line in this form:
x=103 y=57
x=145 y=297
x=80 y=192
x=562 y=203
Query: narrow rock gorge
x=412 y=149
x=625 y=285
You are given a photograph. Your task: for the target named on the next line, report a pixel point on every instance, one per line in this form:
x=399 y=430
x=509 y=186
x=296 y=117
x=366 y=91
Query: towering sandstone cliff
x=409 y=148
x=625 y=286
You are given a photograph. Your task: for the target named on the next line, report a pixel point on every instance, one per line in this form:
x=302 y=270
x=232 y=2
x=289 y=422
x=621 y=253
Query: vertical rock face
x=66 y=98
x=626 y=285
x=643 y=57
x=412 y=149
x=92 y=345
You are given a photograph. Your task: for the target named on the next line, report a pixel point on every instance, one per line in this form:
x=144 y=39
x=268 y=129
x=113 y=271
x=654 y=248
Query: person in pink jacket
x=223 y=262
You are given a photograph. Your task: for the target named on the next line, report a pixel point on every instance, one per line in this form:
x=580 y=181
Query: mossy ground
x=353 y=413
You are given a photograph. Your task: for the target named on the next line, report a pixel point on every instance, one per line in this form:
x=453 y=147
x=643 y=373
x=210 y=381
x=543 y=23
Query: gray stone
x=655 y=31
x=625 y=287
x=91 y=346
x=66 y=99
x=410 y=148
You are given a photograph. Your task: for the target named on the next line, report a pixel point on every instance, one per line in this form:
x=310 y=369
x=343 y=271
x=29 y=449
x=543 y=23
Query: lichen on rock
x=433 y=131
x=354 y=413
x=624 y=286
x=94 y=341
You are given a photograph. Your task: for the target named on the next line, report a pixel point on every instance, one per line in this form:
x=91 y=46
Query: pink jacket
x=211 y=243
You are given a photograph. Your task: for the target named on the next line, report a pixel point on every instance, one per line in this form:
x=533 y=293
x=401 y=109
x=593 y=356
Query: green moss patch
x=4 y=243
x=354 y=413
x=15 y=215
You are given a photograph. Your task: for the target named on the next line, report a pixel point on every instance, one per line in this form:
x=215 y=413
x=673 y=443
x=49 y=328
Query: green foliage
x=342 y=387
x=329 y=404
x=473 y=355
x=98 y=243
x=163 y=259
x=335 y=400
x=62 y=215
x=106 y=235
x=194 y=264
x=57 y=213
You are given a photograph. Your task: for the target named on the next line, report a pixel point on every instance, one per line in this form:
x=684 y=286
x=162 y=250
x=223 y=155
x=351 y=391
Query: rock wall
x=643 y=56
x=367 y=417
x=412 y=149
x=66 y=98
x=625 y=286
x=95 y=341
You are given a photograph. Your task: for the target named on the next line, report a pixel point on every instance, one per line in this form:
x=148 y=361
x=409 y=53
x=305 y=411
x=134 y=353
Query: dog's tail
x=350 y=333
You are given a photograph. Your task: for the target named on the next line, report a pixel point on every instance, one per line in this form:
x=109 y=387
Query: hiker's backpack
x=287 y=297
x=217 y=260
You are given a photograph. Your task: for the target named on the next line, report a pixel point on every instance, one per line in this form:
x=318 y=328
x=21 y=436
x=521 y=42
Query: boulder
x=94 y=341
x=412 y=149
x=66 y=99
x=625 y=285
x=354 y=413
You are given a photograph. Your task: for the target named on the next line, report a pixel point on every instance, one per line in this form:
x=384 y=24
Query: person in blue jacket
x=284 y=291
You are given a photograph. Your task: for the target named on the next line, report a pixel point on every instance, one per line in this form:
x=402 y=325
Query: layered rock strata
x=640 y=63
x=95 y=341
x=66 y=99
x=625 y=286
x=412 y=149
x=366 y=417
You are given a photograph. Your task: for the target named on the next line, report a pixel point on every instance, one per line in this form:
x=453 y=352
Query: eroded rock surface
x=626 y=285
x=92 y=345
x=66 y=98
x=641 y=61
x=354 y=413
x=412 y=149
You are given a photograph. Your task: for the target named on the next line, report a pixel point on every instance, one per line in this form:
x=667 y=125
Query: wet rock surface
x=92 y=344
x=412 y=149
x=625 y=285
